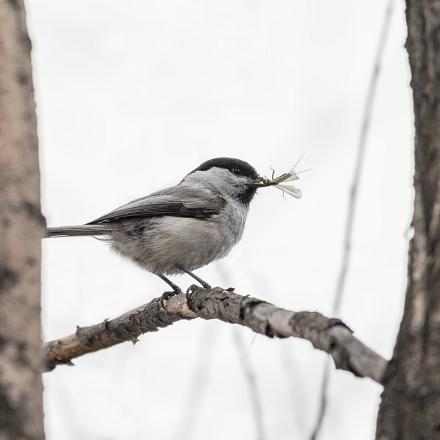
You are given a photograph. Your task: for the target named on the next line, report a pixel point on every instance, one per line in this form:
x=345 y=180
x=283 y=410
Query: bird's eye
x=236 y=170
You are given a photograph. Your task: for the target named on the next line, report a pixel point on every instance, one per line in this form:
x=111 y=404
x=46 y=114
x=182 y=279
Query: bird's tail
x=80 y=230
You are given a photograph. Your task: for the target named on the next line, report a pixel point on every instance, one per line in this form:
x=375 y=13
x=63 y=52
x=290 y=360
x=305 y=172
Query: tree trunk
x=21 y=229
x=410 y=407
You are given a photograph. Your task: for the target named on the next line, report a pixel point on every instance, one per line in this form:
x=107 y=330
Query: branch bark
x=21 y=230
x=329 y=335
x=410 y=407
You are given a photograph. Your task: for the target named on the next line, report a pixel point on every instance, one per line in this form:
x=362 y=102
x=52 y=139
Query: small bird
x=182 y=228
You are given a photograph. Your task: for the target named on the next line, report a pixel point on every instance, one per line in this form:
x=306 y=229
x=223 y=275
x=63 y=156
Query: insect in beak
x=280 y=182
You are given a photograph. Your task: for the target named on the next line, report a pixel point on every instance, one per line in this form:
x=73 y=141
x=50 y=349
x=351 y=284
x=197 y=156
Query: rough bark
x=21 y=229
x=410 y=407
x=329 y=335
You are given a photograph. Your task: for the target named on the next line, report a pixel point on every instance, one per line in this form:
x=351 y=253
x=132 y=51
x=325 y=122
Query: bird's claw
x=191 y=288
x=167 y=295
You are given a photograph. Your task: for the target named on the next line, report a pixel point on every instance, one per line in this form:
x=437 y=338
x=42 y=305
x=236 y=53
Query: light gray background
x=131 y=96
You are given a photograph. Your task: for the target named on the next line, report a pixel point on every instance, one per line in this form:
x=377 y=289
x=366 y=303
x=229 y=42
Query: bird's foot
x=167 y=295
x=191 y=288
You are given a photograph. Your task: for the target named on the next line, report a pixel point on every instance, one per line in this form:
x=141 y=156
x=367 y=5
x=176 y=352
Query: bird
x=180 y=229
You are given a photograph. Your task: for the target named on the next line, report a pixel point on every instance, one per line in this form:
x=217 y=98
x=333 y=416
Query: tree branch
x=329 y=335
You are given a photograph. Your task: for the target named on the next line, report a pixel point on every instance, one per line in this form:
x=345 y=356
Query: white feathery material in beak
x=280 y=182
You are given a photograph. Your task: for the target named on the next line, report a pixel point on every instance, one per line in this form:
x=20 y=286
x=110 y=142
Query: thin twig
x=197 y=388
x=329 y=335
x=248 y=369
x=249 y=373
x=295 y=384
x=251 y=381
x=199 y=381
x=197 y=384
x=323 y=400
x=351 y=209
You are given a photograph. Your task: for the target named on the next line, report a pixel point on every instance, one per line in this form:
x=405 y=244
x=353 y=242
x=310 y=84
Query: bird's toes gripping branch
x=166 y=296
x=192 y=289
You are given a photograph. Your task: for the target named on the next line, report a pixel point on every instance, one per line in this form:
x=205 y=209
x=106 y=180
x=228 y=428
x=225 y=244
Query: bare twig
x=199 y=379
x=295 y=383
x=198 y=382
x=251 y=381
x=248 y=370
x=366 y=119
x=323 y=400
x=294 y=379
x=348 y=232
x=329 y=335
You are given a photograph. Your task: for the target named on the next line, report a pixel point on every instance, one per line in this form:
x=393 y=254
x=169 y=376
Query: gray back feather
x=178 y=201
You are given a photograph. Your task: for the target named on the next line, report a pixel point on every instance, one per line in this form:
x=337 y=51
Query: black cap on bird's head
x=247 y=187
x=235 y=166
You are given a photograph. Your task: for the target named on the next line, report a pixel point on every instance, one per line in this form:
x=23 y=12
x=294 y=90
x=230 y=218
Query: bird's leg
x=167 y=295
x=176 y=289
x=198 y=279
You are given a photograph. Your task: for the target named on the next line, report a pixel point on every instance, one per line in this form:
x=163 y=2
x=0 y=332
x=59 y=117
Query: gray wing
x=178 y=201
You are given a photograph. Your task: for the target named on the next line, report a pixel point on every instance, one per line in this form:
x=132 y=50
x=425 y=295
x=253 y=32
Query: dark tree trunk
x=21 y=229
x=410 y=407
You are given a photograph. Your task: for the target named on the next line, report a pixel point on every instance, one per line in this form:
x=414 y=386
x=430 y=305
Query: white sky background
x=133 y=95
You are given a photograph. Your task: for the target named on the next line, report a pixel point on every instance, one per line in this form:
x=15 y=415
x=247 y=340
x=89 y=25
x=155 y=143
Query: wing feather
x=178 y=201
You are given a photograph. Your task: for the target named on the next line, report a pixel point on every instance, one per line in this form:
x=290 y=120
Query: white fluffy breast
x=166 y=245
